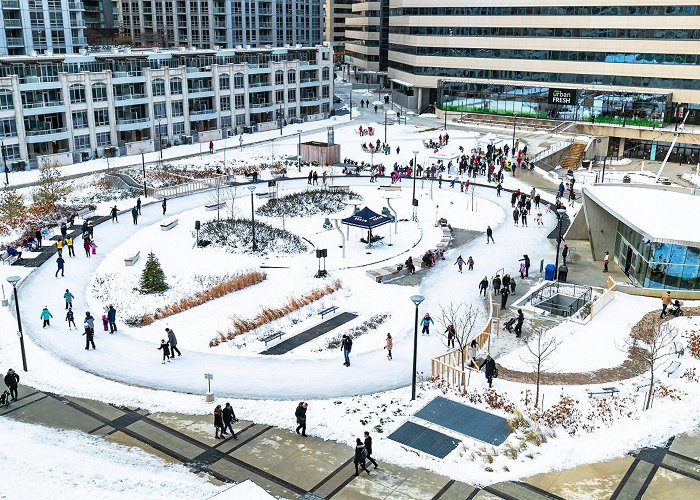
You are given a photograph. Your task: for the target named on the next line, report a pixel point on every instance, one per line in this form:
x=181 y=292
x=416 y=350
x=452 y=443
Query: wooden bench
x=130 y=261
x=215 y=206
x=605 y=391
x=328 y=310
x=678 y=349
x=672 y=368
x=6 y=258
x=168 y=225
x=271 y=337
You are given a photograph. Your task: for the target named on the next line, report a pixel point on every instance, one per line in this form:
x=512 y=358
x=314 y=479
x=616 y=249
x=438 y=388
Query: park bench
x=672 y=368
x=678 y=349
x=168 y=225
x=130 y=261
x=263 y=195
x=645 y=382
x=85 y=212
x=6 y=258
x=215 y=206
x=279 y=174
x=271 y=337
x=392 y=187
x=328 y=310
x=605 y=391
x=339 y=188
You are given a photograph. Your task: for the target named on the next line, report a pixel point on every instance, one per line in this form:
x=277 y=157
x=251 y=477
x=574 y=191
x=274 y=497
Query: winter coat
x=90 y=321
x=172 y=340
x=89 y=332
x=69 y=242
x=68 y=296
x=228 y=414
x=426 y=321
x=360 y=453
x=346 y=345
x=489 y=232
x=483 y=284
x=490 y=364
x=389 y=344
x=300 y=414
x=521 y=319
x=46 y=315
x=368 y=445
x=12 y=379
x=111 y=314
x=134 y=212
x=218 y=418
x=69 y=316
x=496 y=283
x=666 y=299
x=60 y=262
x=59 y=244
x=164 y=347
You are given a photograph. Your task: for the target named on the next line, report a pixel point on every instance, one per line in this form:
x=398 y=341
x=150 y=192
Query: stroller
x=5 y=399
x=675 y=309
x=509 y=325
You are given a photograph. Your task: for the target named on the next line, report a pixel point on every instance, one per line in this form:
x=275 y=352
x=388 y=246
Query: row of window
x=361 y=57
x=549 y=55
x=583 y=10
x=485 y=31
x=531 y=76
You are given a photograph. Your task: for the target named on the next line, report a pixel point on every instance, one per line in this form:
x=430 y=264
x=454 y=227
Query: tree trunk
x=537 y=386
x=650 y=393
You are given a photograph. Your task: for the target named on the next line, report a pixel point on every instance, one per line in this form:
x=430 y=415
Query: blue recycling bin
x=549 y=272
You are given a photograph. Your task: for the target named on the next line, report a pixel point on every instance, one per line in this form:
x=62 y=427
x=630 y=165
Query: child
x=105 y=323
x=93 y=247
x=70 y=318
x=389 y=346
x=166 y=350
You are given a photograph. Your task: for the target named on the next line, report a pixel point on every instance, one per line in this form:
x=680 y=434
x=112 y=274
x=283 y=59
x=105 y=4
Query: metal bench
x=130 y=261
x=168 y=225
x=672 y=368
x=678 y=349
x=278 y=174
x=6 y=258
x=215 y=206
x=85 y=212
x=339 y=188
x=645 y=382
x=328 y=310
x=271 y=337
x=605 y=391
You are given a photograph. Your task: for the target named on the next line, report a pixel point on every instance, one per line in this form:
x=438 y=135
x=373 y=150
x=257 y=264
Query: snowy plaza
x=592 y=404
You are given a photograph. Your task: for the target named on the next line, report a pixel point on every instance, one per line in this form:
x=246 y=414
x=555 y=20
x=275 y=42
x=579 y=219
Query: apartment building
x=31 y=26
x=74 y=107
x=367 y=40
x=336 y=13
x=208 y=24
x=101 y=14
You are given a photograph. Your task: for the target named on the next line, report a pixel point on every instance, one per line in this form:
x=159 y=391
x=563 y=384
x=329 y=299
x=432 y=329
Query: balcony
x=219 y=10
x=10 y=4
x=15 y=42
x=38 y=108
x=128 y=124
x=47 y=135
x=130 y=99
x=206 y=114
x=80 y=41
x=76 y=6
x=13 y=23
x=261 y=105
x=121 y=77
x=220 y=39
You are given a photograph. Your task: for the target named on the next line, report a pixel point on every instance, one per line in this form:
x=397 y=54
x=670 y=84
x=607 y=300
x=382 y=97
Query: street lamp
x=143 y=166
x=414 y=200
x=299 y=131
x=385 y=127
x=350 y=98
x=512 y=151
x=4 y=163
x=252 y=215
x=13 y=281
x=160 y=143
x=416 y=299
x=560 y=216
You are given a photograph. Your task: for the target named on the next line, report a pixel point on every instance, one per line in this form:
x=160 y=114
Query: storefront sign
x=562 y=96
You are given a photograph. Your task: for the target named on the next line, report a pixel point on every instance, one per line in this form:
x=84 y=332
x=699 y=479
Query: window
x=82 y=142
x=159 y=110
x=12 y=152
x=99 y=92
x=158 y=87
x=279 y=77
x=77 y=94
x=8 y=128
x=176 y=108
x=178 y=128
x=101 y=117
x=292 y=95
x=6 y=99
x=291 y=76
x=239 y=102
x=102 y=138
x=225 y=102
x=279 y=96
x=225 y=121
x=325 y=91
x=238 y=81
x=240 y=120
x=326 y=74
x=291 y=112
x=224 y=82
x=80 y=119
x=176 y=86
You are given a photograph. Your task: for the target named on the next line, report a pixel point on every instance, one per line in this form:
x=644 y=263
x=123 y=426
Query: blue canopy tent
x=367 y=219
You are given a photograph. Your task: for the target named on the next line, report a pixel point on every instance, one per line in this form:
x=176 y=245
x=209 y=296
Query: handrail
x=553 y=149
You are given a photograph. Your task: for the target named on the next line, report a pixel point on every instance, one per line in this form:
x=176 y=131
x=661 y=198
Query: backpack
x=364 y=452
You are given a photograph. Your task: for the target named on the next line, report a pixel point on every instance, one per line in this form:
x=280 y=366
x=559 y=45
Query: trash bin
x=626 y=179
x=549 y=272
x=563 y=273
x=586 y=164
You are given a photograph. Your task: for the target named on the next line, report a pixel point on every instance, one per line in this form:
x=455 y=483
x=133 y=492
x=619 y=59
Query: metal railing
x=47 y=104
x=553 y=149
x=128 y=97
x=47 y=131
x=582 y=295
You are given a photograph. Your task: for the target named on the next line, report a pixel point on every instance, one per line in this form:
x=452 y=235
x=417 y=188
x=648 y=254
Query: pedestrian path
x=310 y=334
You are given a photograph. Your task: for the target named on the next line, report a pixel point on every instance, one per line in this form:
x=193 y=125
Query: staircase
x=572 y=159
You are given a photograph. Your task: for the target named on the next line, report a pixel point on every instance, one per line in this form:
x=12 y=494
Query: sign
x=562 y=96
x=348 y=59
x=208 y=376
x=331 y=136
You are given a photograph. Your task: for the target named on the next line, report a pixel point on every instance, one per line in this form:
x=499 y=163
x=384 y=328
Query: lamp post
x=512 y=151
x=416 y=299
x=560 y=216
x=385 y=126
x=4 y=163
x=160 y=143
x=143 y=166
x=414 y=201
x=13 y=281
x=602 y=178
x=350 y=98
x=252 y=215
x=281 y=116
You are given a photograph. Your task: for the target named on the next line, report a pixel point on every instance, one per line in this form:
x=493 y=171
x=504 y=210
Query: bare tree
x=540 y=349
x=215 y=198
x=461 y=318
x=651 y=345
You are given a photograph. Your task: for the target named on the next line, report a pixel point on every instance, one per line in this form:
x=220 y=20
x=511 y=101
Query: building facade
x=207 y=24
x=367 y=45
x=336 y=13
x=30 y=26
x=81 y=106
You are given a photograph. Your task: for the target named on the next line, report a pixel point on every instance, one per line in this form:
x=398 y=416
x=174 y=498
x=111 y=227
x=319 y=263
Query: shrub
x=694 y=344
x=307 y=203
x=237 y=235
x=153 y=277
x=370 y=324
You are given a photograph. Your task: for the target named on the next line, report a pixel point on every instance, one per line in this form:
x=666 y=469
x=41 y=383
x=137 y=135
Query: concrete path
x=310 y=334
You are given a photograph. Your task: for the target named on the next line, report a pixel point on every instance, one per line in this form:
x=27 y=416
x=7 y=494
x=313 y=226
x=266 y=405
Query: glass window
x=176 y=85
x=239 y=102
x=6 y=99
x=178 y=128
x=291 y=76
x=99 y=92
x=8 y=127
x=80 y=119
x=177 y=108
x=225 y=102
x=240 y=120
x=82 y=142
x=77 y=94
x=326 y=74
x=101 y=117
x=102 y=138
x=224 y=82
x=292 y=95
x=158 y=87
x=238 y=81
x=226 y=121
x=159 y=110
x=279 y=77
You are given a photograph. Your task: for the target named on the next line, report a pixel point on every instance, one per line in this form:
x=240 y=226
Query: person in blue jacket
x=425 y=322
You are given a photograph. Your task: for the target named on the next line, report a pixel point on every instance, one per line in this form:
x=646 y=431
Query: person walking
x=315 y=178
x=505 y=291
x=489 y=235
x=86 y=244
x=368 y=449
x=483 y=286
x=470 y=263
x=491 y=371
x=114 y=213
x=665 y=301
x=300 y=414
x=164 y=205
x=91 y=229
x=89 y=321
x=70 y=318
x=346 y=346
x=166 y=351
x=38 y=236
x=89 y=337
x=138 y=205
x=228 y=417
x=389 y=346
x=172 y=340
x=496 y=283
x=45 y=317
x=519 y=323
x=12 y=381
x=69 y=245
x=459 y=263
x=218 y=420
x=112 y=318
x=68 y=297
x=105 y=322
x=606 y=260
x=360 y=455
x=59 y=247
x=211 y=147
x=425 y=322
x=60 y=266
x=451 y=334
x=135 y=215
x=565 y=253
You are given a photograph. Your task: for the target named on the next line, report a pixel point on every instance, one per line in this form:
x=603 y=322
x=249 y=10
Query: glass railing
x=47 y=131
x=127 y=121
x=76 y=6
x=130 y=96
x=47 y=104
x=261 y=105
x=10 y=4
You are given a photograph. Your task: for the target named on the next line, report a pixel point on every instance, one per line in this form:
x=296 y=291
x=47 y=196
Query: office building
x=336 y=13
x=75 y=107
x=367 y=45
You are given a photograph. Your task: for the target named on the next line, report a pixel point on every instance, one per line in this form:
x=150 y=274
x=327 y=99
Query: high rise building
x=367 y=45
x=209 y=23
x=336 y=13
x=30 y=26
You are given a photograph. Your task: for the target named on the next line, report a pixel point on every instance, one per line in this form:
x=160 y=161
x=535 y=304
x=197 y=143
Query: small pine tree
x=153 y=277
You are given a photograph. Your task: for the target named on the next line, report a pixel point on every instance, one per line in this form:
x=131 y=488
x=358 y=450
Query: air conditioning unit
x=187 y=139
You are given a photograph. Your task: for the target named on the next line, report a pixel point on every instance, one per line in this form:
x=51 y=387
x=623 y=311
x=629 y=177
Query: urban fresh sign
x=562 y=96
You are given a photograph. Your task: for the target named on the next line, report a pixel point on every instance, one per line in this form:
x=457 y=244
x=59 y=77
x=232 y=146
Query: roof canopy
x=366 y=219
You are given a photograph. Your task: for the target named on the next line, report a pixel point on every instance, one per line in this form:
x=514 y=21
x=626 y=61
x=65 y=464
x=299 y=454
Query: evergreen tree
x=153 y=277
